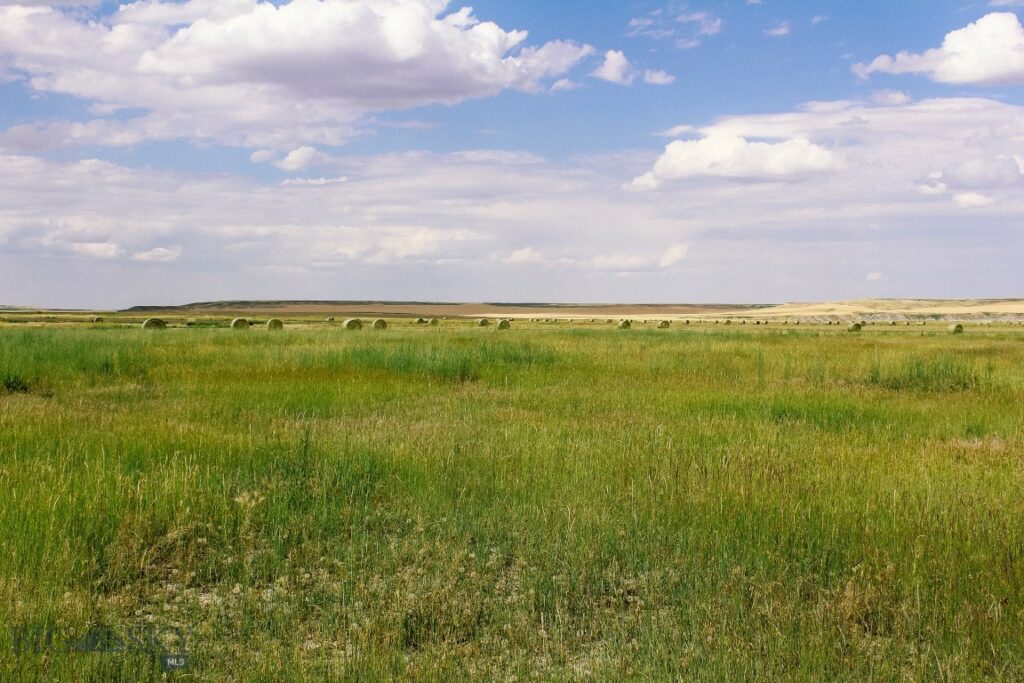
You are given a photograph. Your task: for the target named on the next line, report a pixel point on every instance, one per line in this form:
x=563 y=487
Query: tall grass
x=689 y=504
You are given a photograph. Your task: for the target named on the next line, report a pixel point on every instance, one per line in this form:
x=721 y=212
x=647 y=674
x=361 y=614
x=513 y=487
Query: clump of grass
x=925 y=374
x=14 y=383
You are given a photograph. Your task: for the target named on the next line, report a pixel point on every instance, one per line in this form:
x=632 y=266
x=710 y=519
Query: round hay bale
x=239 y=324
x=609 y=321
x=380 y=324
x=663 y=325
x=504 y=324
x=727 y=322
x=853 y=327
x=624 y=324
x=352 y=324
x=330 y=320
x=421 y=321
x=154 y=324
x=482 y=322
x=757 y=322
x=275 y=324
x=686 y=322
x=956 y=328
x=97 y=319
x=433 y=322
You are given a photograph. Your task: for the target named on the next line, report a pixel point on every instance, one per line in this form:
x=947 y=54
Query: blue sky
x=161 y=152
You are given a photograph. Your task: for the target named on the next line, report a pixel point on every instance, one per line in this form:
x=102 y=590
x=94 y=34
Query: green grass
x=540 y=503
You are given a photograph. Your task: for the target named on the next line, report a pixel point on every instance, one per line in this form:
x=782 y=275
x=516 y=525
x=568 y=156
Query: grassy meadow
x=551 y=502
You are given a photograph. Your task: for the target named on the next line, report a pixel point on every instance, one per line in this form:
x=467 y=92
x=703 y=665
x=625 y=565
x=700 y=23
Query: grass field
x=544 y=503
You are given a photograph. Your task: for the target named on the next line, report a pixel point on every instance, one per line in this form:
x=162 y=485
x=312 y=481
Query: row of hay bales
x=275 y=324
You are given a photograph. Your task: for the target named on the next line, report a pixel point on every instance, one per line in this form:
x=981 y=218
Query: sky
x=738 y=151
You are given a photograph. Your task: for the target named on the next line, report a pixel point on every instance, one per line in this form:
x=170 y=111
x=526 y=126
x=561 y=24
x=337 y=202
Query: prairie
x=549 y=502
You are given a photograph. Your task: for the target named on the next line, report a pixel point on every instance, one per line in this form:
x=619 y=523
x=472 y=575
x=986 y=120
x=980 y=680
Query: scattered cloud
x=686 y=30
x=874 y=277
x=989 y=51
x=657 y=77
x=615 y=69
x=673 y=255
x=158 y=254
x=302 y=158
x=890 y=97
x=972 y=200
x=778 y=30
x=818 y=19
x=707 y=23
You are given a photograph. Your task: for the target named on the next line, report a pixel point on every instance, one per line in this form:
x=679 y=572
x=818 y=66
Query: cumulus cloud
x=731 y=156
x=615 y=69
x=158 y=255
x=972 y=200
x=657 y=77
x=302 y=158
x=778 y=30
x=308 y=71
x=989 y=51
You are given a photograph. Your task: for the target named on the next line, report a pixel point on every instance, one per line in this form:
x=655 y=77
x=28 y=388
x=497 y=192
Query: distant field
x=551 y=502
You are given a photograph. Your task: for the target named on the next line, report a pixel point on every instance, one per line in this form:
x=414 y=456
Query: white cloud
x=103 y=250
x=707 y=23
x=262 y=155
x=972 y=200
x=653 y=77
x=818 y=19
x=564 y=84
x=730 y=156
x=301 y=158
x=677 y=131
x=986 y=52
x=874 y=277
x=1006 y=3
x=778 y=30
x=615 y=69
x=525 y=255
x=673 y=255
x=890 y=97
x=307 y=72
x=158 y=255
x=314 y=181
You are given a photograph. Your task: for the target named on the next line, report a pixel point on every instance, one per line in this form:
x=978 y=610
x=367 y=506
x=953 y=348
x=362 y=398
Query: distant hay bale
x=275 y=324
x=433 y=322
x=609 y=321
x=154 y=324
x=727 y=322
x=956 y=328
x=757 y=322
x=482 y=322
x=97 y=319
x=853 y=327
x=686 y=322
x=504 y=324
x=421 y=321
x=663 y=325
x=239 y=324
x=380 y=324
x=352 y=324
x=330 y=320
x=862 y=323
x=892 y=322
x=624 y=324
